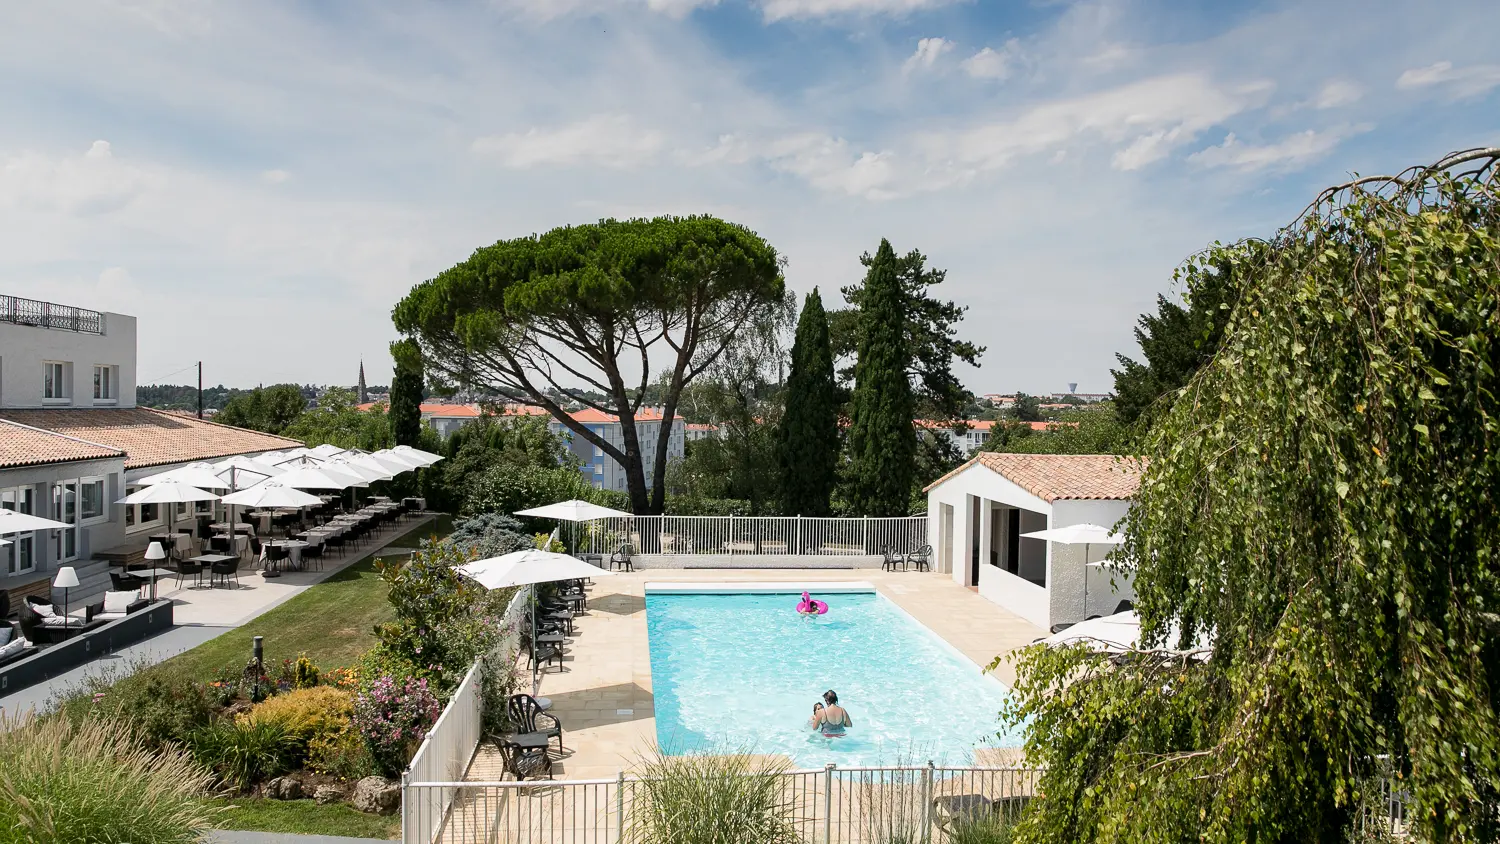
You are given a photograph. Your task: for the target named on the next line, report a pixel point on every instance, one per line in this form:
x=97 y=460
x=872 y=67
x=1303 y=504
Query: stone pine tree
x=882 y=439
x=406 y=393
x=808 y=438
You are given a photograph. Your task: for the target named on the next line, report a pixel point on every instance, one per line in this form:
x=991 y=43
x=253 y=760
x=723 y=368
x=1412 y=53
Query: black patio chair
x=921 y=559
x=891 y=559
x=523 y=762
x=188 y=567
x=125 y=582
x=528 y=717
x=313 y=554
x=542 y=655
x=224 y=571
x=621 y=559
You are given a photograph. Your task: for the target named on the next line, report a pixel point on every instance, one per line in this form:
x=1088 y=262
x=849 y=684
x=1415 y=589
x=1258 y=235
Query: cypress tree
x=882 y=439
x=808 y=439
x=406 y=393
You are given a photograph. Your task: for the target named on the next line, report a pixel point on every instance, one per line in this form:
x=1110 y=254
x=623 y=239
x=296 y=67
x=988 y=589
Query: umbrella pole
x=536 y=682
x=1085 y=581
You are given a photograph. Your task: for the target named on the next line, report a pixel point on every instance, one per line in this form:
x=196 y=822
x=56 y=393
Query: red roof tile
x=1051 y=477
x=21 y=445
x=149 y=437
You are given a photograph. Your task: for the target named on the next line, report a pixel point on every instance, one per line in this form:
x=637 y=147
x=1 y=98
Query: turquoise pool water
x=742 y=671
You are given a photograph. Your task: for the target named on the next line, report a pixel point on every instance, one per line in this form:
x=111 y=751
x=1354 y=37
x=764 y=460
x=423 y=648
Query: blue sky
x=259 y=183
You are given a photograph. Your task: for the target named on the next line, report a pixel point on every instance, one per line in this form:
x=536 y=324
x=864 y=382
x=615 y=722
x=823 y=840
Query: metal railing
x=22 y=311
x=448 y=748
x=832 y=805
x=774 y=535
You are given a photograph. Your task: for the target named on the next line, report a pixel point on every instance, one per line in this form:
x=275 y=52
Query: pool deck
x=603 y=694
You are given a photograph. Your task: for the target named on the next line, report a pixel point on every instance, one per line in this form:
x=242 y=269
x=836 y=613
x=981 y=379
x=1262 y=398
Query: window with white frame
x=20 y=554
x=65 y=510
x=91 y=505
x=54 y=380
x=106 y=386
x=140 y=517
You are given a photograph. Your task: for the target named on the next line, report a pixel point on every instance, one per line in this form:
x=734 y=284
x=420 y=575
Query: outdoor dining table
x=294 y=550
x=239 y=527
x=210 y=560
x=153 y=575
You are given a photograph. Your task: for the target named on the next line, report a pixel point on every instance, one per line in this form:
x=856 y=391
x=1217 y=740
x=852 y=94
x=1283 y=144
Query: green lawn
x=332 y=622
x=303 y=817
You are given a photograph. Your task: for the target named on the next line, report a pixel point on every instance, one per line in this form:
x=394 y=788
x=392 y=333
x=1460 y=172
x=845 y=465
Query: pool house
x=979 y=513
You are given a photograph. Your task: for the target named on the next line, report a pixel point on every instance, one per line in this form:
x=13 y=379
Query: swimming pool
x=734 y=671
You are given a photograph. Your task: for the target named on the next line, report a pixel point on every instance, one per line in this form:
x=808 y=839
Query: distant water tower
x=1072 y=386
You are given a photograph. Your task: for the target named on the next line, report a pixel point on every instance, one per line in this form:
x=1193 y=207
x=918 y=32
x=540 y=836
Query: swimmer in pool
x=817 y=712
x=833 y=719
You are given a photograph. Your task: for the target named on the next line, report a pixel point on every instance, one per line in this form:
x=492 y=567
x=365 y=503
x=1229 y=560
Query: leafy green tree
x=1026 y=409
x=268 y=409
x=406 y=393
x=808 y=438
x=1096 y=430
x=1176 y=341
x=882 y=438
x=1319 y=510
x=580 y=311
x=489 y=442
x=929 y=336
x=338 y=420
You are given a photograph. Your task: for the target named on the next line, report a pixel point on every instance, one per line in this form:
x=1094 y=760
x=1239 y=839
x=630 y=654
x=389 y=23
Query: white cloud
x=603 y=140
x=1337 y=93
x=929 y=50
x=990 y=63
x=547 y=10
x=775 y=10
x=1457 y=82
x=88 y=184
x=1288 y=154
x=828 y=164
x=1151 y=117
x=274 y=177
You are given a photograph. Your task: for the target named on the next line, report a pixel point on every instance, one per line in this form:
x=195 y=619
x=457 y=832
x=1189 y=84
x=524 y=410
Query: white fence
x=773 y=535
x=828 y=806
x=448 y=748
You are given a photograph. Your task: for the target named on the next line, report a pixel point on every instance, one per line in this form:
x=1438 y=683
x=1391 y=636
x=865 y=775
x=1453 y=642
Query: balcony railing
x=21 y=311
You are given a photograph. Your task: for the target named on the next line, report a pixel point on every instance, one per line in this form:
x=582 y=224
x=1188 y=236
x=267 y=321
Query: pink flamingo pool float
x=811 y=607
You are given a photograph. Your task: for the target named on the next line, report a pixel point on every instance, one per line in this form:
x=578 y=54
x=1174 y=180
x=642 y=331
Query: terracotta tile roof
x=700 y=426
x=149 y=437
x=1051 y=477
x=21 y=445
x=451 y=410
x=952 y=425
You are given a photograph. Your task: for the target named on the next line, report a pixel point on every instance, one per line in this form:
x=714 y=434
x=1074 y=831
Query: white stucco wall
x=1065 y=568
x=1062 y=599
x=24 y=347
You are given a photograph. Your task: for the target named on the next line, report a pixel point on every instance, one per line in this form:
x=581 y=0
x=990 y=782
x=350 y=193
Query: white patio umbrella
x=172 y=493
x=573 y=510
x=328 y=450
x=527 y=568
x=385 y=462
x=1082 y=534
x=272 y=493
x=242 y=473
x=316 y=477
x=397 y=458
x=419 y=457
x=13 y=522
x=201 y=475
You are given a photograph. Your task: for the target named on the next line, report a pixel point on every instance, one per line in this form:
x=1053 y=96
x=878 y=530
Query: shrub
x=242 y=754
x=342 y=754
x=489 y=535
x=305 y=713
x=162 y=704
x=393 y=718
x=981 y=829
x=304 y=673
x=95 y=779
x=731 y=799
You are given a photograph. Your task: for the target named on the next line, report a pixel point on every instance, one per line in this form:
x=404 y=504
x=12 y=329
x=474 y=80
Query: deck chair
x=622 y=557
x=523 y=762
x=891 y=559
x=527 y=716
x=921 y=558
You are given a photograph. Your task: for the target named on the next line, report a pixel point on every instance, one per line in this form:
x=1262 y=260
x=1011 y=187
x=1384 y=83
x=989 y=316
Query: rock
x=283 y=788
x=376 y=795
x=328 y=794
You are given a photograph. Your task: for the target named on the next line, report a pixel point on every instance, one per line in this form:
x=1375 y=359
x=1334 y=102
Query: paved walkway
x=200 y=613
x=603 y=695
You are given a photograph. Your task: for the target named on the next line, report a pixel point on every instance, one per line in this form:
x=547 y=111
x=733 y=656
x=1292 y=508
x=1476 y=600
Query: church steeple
x=364 y=394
